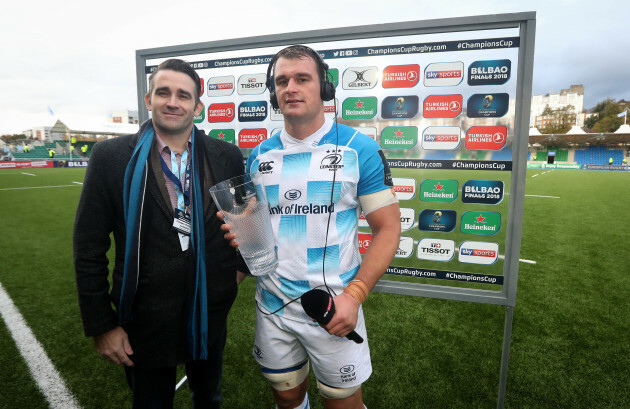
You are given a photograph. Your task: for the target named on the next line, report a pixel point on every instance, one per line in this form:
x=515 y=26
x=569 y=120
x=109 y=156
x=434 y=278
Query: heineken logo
x=200 y=118
x=439 y=190
x=227 y=135
x=359 y=108
x=399 y=137
x=485 y=223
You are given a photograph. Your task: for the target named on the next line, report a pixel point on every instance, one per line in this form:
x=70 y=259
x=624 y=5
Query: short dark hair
x=296 y=52
x=178 y=65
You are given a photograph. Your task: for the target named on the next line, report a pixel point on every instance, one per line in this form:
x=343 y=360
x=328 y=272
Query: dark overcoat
x=157 y=332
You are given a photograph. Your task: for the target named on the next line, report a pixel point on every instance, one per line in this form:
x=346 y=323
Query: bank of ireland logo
x=489 y=72
x=364 y=242
x=436 y=250
x=443 y=74
x=482 y=192
x=485 y=223
x=487 y=105
x=407 y=218
x=250 y=111
x=221 y=86
x=360 y=78
x=478 y=252
x=405 y=188
x=486 y=137
x=401 y=76
x=441 y=137
x=437 y=220
x=405 y=248
x=227 y=135
x=200 y=118
x=251 y=84
x=399 y=137
x=250 y=138
x=359 y=108
x=223 y=112
x=439 y=190
x=442 y=106
x=398 y=107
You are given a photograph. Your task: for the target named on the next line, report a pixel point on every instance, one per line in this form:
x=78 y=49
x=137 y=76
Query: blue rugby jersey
x=298 y=180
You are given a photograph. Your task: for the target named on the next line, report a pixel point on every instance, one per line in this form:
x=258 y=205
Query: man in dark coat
x=174 y=275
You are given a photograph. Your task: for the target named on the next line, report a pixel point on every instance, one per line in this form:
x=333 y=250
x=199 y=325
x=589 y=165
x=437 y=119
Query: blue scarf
x=133 y=201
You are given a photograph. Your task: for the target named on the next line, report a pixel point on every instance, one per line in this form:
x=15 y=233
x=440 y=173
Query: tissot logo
x=360 y=78
x=486 y=137
x=400 y=107
x=221 y=86
x=250 y=111
x=405 y=248
x=486 y=223
x=436 y=249
x=441 y=137
x=478 y=252
x=401 y=76
x=405 y=188
x=265 y=167
x=359 y=108
x=250 y=138
x=250 y=84
x=221 y=112
x=227 y=135
x=489 y=72
x=399 y=137
x=407 y=218
x=443 y=74
x=439 y=190
x=364 y=242
x=442 y=106
x=487 y=105
x=482 y=191
x=292 y=194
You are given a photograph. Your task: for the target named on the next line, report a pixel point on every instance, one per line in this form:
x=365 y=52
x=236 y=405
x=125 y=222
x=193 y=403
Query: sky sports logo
x=405 y=188
x=221 y=86
x=486 y=137
x=444 y=74
x=441 y=137
x=442 y=106
x=478 y=252
x=401 y=76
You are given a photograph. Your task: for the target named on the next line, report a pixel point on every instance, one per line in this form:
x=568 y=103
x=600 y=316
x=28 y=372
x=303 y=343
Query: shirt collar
x=288 y=140
x=163 y=147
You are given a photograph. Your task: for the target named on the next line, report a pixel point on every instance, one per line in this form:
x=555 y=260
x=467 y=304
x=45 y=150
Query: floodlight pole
x=505 y=355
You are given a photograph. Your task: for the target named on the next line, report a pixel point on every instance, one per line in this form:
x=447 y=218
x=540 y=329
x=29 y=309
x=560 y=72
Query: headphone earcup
x=327 y=91
x=273 y=99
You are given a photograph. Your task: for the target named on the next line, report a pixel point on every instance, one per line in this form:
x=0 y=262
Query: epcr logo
x=292 y=194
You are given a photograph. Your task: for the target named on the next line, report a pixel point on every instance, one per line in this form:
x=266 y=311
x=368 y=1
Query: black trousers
x=154 y=388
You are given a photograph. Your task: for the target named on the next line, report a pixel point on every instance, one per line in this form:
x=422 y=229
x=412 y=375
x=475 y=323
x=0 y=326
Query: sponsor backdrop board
x=448 y=106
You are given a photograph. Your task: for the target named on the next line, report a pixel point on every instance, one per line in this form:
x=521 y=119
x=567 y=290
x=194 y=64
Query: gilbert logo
x=364 y=242
x=250 y=84
x=399 y=137
x=441 y=137
x=221 y=86
x=221 y=112
x=442 y=106
x=405 y=188
x=439 y=190
x=486 y=137
x=401 y=76
x=359 y=108
x=250 y=138
x=227 y=135
x=478 y=252
x=405 y=248
x=360 y=78
x=444 y=74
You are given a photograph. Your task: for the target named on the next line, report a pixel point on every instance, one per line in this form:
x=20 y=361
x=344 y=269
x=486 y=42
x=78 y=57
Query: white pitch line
x=29 y=174
x=78 y=183
x=37 y=187
x=527 y=261
x=551 y=197
x=42 y=369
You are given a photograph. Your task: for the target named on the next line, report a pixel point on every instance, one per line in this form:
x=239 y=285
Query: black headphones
x=327 y=88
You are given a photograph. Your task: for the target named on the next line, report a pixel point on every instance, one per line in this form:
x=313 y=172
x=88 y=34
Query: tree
x=560 y=121
x=608 y=121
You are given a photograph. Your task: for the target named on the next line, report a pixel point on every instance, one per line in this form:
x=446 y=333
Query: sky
x=78 y=58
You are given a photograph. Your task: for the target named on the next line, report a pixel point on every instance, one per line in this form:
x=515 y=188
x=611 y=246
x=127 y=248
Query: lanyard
x=176 y=175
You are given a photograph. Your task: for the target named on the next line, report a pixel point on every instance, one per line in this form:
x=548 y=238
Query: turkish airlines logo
x=364 y=242
x=250 y=138
x=401 y=76
x=221 y=112
x=442 y=106
x=444 y=74
x=405 y=188
x=360 y=78
x=221 y=86
x=486 y=137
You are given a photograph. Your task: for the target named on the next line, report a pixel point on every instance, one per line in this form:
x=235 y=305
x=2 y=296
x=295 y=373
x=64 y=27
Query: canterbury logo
x=265 y=166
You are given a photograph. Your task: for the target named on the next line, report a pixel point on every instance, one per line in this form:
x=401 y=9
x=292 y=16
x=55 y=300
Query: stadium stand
x=505 y=154
x=598 y=155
